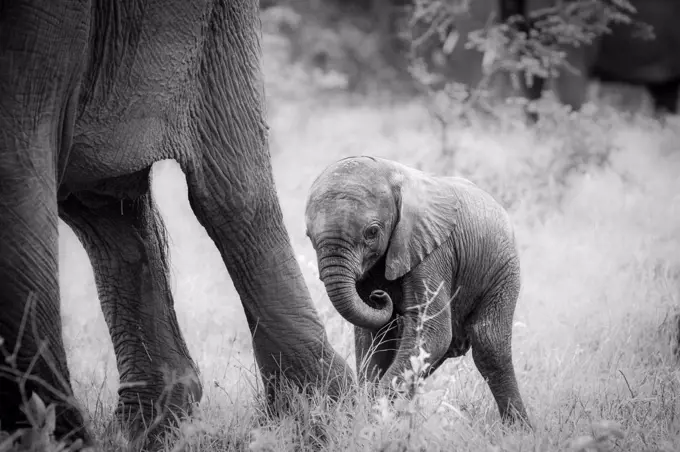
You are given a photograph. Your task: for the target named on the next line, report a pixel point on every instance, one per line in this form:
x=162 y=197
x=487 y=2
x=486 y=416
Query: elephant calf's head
x=361 y=209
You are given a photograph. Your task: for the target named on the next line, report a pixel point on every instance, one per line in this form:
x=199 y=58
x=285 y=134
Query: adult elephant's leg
x=490 y=329
x=232 y=192
x=41 y=49
x=665 y=96
x=127 y=246
x=237 y=204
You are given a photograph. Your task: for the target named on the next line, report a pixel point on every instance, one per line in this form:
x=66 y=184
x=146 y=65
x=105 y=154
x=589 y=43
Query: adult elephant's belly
x=137 y=89
x=111 y=146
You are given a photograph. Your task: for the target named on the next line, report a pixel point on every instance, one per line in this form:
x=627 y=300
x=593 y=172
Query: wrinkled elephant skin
x=619 y=56
x=92 y=93
x=391 y=239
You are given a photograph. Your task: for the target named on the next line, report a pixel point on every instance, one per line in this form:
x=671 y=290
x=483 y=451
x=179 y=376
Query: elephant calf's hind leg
x=491 y=334
x=126 y=243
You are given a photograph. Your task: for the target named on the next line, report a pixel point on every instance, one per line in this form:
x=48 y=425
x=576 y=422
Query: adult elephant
x=619 y=56
x=92 y=93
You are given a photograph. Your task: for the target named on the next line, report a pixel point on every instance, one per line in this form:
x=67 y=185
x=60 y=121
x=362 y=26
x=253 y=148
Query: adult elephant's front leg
x=232 y=193
x=244 y=220
x=126 y=244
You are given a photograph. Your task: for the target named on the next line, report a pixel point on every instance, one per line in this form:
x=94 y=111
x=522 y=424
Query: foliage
x=531 y=46
x=385 y=44
x=535 y=44
x=339 y=38
x=39 y=436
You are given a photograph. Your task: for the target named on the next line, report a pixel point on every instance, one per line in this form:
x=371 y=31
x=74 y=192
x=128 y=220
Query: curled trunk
x=340 y=285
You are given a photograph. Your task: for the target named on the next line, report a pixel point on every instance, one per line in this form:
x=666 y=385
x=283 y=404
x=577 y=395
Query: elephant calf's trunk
x=342 y=292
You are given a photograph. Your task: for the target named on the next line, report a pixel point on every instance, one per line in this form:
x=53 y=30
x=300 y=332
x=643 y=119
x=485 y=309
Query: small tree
x=533 y=44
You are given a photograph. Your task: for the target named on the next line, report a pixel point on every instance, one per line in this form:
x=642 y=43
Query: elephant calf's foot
x=146 y=416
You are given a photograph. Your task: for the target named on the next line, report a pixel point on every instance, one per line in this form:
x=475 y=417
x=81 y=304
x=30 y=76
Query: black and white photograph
x=339 y=225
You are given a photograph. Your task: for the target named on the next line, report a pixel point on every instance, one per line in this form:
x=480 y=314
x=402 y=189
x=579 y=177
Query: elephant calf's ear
x=428 y=211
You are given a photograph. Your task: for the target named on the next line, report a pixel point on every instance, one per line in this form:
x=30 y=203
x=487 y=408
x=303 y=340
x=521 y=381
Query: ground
x=596 y=205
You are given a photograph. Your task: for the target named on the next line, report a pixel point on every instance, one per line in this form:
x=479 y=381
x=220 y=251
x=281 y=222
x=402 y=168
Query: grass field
x=600 y=256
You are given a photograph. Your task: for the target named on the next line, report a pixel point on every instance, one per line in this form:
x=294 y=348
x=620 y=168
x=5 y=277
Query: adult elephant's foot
x=243 y=217
x=334 y=375
x=318 y=370
x=146 y=410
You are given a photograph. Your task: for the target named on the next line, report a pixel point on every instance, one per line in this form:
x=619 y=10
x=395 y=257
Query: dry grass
x=600 y=252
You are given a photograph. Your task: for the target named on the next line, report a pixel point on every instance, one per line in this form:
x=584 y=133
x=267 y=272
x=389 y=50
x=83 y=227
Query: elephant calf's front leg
x=127 y=246
x=375 y=350
x=430 y=327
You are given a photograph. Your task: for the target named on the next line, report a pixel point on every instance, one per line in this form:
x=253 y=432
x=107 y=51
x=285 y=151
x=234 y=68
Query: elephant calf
x=387 y=237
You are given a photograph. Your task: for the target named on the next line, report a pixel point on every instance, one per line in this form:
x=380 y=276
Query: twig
x=627 y=384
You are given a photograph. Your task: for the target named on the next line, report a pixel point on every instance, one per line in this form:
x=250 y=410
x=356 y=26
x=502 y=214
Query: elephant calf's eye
x=371 y=232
